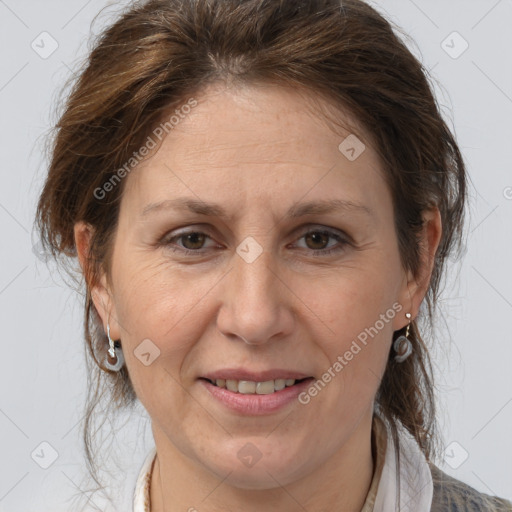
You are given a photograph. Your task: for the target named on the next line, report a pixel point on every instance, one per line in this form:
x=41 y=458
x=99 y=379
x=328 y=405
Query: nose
x=257 y=305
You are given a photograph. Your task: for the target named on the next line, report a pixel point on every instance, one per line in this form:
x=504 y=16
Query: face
x=262 y=286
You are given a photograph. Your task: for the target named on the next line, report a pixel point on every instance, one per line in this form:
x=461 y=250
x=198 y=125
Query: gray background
x=42 y=377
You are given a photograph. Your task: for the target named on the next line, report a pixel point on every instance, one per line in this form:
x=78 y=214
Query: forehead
x=256 y=142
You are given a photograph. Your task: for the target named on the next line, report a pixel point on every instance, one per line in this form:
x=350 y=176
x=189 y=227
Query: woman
x=262 y=195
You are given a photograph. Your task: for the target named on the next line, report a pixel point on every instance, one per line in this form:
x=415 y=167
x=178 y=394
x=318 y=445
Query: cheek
x=161 y=311
x=353 y=326
x=153 y=296
x=343 y=308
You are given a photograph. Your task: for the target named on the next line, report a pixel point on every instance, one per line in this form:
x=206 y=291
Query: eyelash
x=167 y=242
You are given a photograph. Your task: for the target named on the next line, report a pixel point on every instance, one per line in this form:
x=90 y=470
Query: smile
x=248 y=387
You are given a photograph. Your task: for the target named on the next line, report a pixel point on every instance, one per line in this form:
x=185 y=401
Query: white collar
x=141 y=492
x=416 y=486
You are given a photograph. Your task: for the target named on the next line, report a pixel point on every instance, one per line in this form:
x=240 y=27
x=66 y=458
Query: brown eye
x=318 y=240
x=193 y=241
x=186 y=242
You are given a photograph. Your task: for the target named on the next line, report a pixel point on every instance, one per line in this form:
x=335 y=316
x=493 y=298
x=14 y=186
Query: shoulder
x=452 y=495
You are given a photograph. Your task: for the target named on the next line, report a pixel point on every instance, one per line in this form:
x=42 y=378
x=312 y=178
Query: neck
x=340 y=483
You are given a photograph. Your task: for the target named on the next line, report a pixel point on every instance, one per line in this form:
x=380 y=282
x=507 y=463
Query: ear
x=414 y=289
x=98 y=285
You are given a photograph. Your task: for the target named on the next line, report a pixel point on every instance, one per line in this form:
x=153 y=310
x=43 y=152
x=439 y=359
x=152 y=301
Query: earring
x=402 y=345
x=115 y=359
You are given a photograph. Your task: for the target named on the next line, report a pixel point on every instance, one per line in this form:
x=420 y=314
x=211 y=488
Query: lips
x=251 y=397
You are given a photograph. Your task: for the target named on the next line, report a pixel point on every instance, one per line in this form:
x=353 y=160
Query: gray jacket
x=451 y=495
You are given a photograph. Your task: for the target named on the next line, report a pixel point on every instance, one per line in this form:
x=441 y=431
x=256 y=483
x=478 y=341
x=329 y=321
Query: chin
x=257 y=464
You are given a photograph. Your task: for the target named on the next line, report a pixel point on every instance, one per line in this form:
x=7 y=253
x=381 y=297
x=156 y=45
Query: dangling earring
x=115 y=359
x=402 y=345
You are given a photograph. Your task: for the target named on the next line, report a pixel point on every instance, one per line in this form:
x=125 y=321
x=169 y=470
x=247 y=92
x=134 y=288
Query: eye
x=317 y=242
x=192 y=242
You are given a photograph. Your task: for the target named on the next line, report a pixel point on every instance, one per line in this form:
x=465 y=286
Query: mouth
x=249 y=393
x=249 y=387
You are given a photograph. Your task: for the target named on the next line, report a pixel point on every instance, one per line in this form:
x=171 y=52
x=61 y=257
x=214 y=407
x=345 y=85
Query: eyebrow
x=297 y=210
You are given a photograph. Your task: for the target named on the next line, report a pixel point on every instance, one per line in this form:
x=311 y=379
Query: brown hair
x=160 y=52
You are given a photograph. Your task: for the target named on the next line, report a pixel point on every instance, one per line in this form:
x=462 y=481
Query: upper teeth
x=248 y=387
